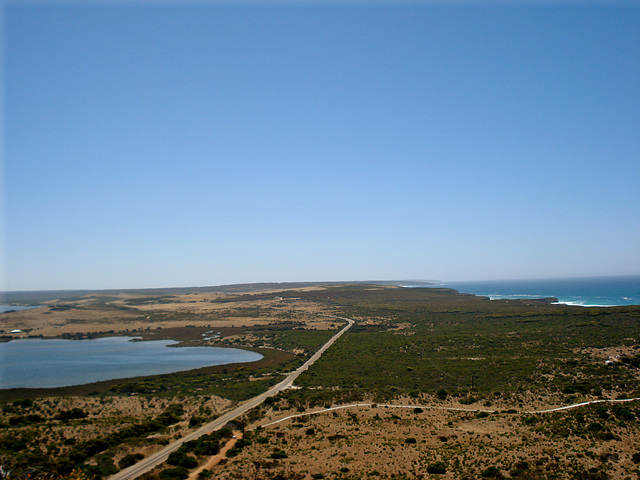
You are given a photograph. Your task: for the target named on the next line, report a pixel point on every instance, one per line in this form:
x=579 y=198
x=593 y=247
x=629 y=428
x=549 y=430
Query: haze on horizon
x=161 y=145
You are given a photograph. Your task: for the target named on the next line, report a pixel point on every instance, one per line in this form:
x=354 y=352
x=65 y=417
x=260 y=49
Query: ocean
x=586 y=292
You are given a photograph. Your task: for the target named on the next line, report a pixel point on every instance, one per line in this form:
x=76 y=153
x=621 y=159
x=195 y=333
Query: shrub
x=438 y=468
x=175 y=473
x=410 y=440
x=232 y=452
x=594 y=427
x=23 y=403
x=181 y=459
x=129 y=459
x=74 y=413
x=491 y=472
x=442 y=394
x=195 y=421
x=279 y=454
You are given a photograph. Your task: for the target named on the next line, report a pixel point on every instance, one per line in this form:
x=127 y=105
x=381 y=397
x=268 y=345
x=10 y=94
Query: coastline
x=593 y=292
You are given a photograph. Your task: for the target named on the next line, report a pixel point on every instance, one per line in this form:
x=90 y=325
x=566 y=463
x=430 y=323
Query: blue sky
x=156 y=145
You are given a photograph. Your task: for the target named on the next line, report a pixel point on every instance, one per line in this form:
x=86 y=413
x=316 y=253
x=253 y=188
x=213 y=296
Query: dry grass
x=387 y=442
x=121 y=314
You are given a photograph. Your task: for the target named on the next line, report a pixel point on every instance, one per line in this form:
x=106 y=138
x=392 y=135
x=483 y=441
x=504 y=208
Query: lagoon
x=48 y=363
x=16 y=308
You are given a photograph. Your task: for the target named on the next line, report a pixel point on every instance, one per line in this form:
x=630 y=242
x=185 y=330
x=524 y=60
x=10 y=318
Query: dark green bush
x=195 y=421
x=175 y=473
x=491 y=472
x=130 y=459
x=437 y=468
x=74 y=413
x=181 y=459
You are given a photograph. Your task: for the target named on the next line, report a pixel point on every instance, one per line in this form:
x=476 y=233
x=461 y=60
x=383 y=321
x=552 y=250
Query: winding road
x=157 y=458
x=451 y=409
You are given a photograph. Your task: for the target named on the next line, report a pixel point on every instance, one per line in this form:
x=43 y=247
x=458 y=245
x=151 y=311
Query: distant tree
x=442 y=394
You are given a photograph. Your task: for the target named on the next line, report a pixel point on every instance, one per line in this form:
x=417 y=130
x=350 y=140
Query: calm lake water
x=9 y=308
x=37 y=363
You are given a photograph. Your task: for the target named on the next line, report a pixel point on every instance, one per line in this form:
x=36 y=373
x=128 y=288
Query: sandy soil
x=216 y=459
x=128 y=312
x=389 y=442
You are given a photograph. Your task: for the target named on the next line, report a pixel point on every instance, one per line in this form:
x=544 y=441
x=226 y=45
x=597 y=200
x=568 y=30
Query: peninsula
x=366 y=380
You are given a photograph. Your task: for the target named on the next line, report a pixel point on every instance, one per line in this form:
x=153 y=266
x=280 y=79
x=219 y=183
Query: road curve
x=450 y=409
x=157 y=458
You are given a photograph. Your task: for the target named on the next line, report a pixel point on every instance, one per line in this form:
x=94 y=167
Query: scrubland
x=428 y=383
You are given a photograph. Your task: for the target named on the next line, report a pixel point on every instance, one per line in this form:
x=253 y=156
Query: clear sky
x=154 y=145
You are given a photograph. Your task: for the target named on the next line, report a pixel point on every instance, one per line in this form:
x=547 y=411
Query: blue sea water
x=46 y=363
x=592 y=291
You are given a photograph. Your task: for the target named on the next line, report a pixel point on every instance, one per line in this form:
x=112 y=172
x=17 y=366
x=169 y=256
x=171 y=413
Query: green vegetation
x=235 y=382
x=27 y=456
x=433 y=340
x=425 y=345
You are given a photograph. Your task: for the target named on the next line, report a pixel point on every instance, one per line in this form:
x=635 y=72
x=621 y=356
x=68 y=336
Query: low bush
x=130 y=459
x=181 y=459
x=175 y=473
x=437 y=468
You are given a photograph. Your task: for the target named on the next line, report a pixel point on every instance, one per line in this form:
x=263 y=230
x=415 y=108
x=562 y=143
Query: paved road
x=157 y=458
